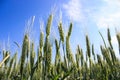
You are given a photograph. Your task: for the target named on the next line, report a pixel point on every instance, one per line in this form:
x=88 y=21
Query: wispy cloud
x=108 y=15
x=73 y=10
x=104 y=13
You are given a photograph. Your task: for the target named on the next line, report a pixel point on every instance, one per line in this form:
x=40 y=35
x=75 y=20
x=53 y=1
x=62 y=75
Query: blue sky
x=88 y=17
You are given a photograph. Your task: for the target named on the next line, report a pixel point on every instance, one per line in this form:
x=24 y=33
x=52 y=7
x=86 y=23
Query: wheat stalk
x=4 y=60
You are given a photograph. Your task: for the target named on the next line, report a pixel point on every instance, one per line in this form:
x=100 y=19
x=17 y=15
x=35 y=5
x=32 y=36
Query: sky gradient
x=88 y=17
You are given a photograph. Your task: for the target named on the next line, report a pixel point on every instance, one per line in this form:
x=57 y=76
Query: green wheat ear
x=32 y=55
x=41 y=42
x=93 y=52
x=40 y=49
x=61 y=32
x=102 y=66
x=70 y=30
x=109 y=38
x=88 y=46
x=24 y=53
x=99 y=60
x=49 y=55
x=32 y=59
x=106 y=55
x=68 y=48
x=112 y=53
x=80 y=54
x=108 y=33
x=49 y=23
x=118 y=39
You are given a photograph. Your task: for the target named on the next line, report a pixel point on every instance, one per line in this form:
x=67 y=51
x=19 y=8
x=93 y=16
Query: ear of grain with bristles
x=99 y=60
x=106 y=55
x=32 y=56
x=77 y=56
x=4 y=52
x=88 y=46
x=49 y=23
x=82 y=58
x=48 y=27
x=15 y=61
x=118 y=39
x=93 y=53
x=32 y=61
x=70 y=30
x=71 y=58
x=39 y=63
x=28 y=48
x=81 y=54
x=40 y=49
x=68 y=50
x=79 y=50
x=47 y=50
x=41 y=42
x=109 y=38
x=112 y=53
x=86 y=56
x=108 y=33
x=49 y=55
x=24 y=53
x=61 y=33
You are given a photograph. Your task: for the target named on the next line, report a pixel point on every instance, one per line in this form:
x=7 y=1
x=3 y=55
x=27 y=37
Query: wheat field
x=38 y=65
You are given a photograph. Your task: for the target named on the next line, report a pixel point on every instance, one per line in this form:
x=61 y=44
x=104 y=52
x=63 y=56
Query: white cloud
x=117 y=2
x=73 y=10
x=108 y=15
x=104 y=13
x=108 y=20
